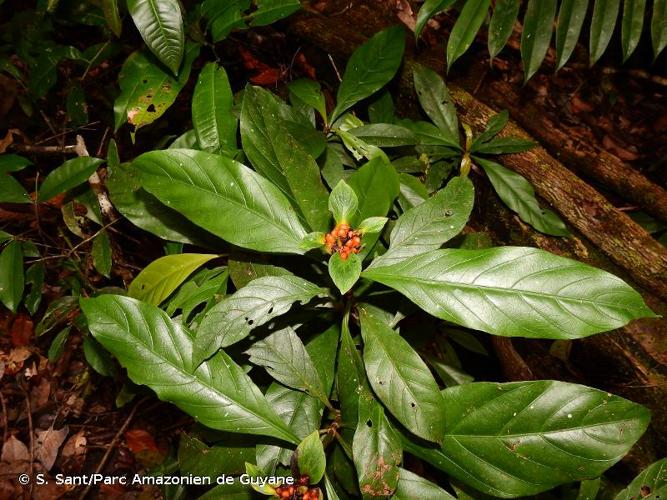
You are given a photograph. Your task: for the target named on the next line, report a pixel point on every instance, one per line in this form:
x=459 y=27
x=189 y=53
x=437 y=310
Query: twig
x=46 y=150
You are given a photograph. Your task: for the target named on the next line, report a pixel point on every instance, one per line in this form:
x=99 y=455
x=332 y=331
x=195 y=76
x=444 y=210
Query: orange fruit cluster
x=300 y=491
x=343 y=240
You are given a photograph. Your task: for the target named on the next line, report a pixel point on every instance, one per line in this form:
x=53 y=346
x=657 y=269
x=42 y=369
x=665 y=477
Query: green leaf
x=502 y=22
x=223 y=17
x=436 y=102
x=226 y=457
x=270 y=11
x=205 y=287
x=310 y=457
x=570 y=20
x=343 y=203
x=401 y=380
x=310 y=93
x=519 y=195
x=160 y=24
x=430 y=224
x=411 y=486
x=11 y=275
x=650 y=484
x=465 y=29
x=98 y=359
x=536 y=34
x=243 y=268
x=631 y=27
x=75 y=106
x=112 y=16
x=67 y=176
x=146 y=89
x=285 y=358
x=381 y=109
x=34 y=276
x=11 y=190
x=659 y=27
x=351 y=382
x=212 y=118
x=344 y=272
x=376 y=186
x=263 y=299
x=102 y=253
x=384 y=135
x=277 y=154
x=161 y=277
x=495 y=124
x=588 y=490
x=201 y=186
x=12 y=163
x=372 y=225
x=369 y=68
x=504 y=145
x=429 y=9
x=377 y=452
x=57 y=346
x=603 y=22
x=522 y=438
x=158 y=352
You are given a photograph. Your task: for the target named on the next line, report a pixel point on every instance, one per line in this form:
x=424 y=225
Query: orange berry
x=356 y=240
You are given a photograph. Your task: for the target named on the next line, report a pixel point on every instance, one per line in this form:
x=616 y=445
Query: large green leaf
x=517 y=439
x=603 y=22
x=11 y=190
x=429 y=9
x=376 y=186
x=431 y=223
x=164 y=275
x=146 y=89
x=570 y=20
x=536 y=34
x=515 y=291
x=519 y=195
x=659 y=26
x=401 y=379
x=158 y=352
x=651 y=484
x=411 y=486
x=232 y=319
x=344 y=272
x=436 y=102
x=212 y=118
x=277 y=154
x=67 y=176
x=385 y=135
x=285 y=358
x=502 y=22
x=224 y=197
x=310 y=93
x=161 y=27
x=369 y=68
x=465 y=29
x=632 y=25
x=351 y=381
x=12 y=279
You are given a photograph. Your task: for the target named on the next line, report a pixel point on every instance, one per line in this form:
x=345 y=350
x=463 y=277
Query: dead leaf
x=406 y=15
x=75 y=445
x=15 y=359
x=39 y=395
x=47 y=445
x=22 y=330
x=14 y=451
x=8 y=140
x=138 y=440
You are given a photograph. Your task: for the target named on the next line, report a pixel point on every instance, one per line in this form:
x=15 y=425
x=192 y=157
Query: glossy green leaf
x=146 y=89
x=519 y=195
x=11 y=275
x=161 y=277
x=650 y=484
x=369 y=68
x=372 y=225
x=465 y=29
x=201 y=186
x=223 y=17
x=310 y=93
x=522 y=438
x=413 y=192
x=588 y=489
x=515 y=291
x=570 y=20
x=212 y=118
x=358 y=147
x=632 y=25
x=34 y=277
x=430 y=224
x=495 y=124
x=351 y=381
x=11 y=190
x=102 y=253
x=161 y=26
x=263 y=299
x=344 y=272
x=536 y=34
x=381 y=109
x=343 y=203
x=504 y=16
x=285 y=358
x=429 y=9
x=112 y=16
x=67 y=176
x=270 y=11
x=310 y=457
x=57 y=347
x=205 y=287
x=12 y=163
x=411 y=486
x=659 y=26
x=385 y=135
x=401 y=380
x=376 y=185
x=504 y=145
x=602 y=27
x=436 y=102
x=98 y=358
x=158 y=352
x=226 y=457
x=243 y=268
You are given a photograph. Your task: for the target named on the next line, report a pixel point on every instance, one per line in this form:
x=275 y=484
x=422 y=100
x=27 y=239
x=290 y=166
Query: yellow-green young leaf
x=260 y=487
x=11 y=275
x=632 y=24
x=161 y=27
x=344 y=272
x=536 y=34
x=570 y=20
x=515 y=292
x=401 y=380
x=310 y=93
x=429 y=9
x=369 y=68
x=212 y=118
x=659 y=26
x=202 y=186
x=602 y=27
x=650 y=484
x=465 y=29
x=310 y=457
x=67 y=176
x=157 y=352
x=112 y=16
x=146 y=89
x=436 y=102
x=263 y=299
x=343 y=203
x=503 y=18
x=102 y=253
x=164 y=275
x=411 y=486
x=523 y=438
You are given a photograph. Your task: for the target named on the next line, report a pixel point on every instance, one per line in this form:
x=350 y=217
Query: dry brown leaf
x=14 y=451
x=48 y=443
x=75 y=445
